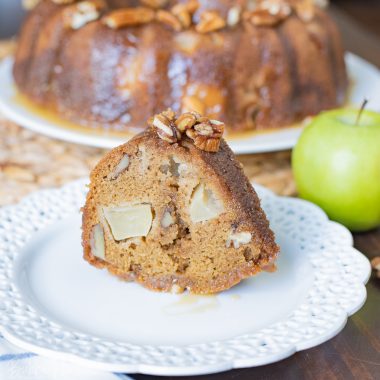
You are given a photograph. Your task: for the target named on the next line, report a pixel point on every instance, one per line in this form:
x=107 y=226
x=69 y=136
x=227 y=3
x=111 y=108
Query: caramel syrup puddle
x=192 y=304
x=57 y=121
x=195 y=304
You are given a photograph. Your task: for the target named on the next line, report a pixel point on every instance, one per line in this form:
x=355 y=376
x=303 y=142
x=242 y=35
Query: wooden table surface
x=355 y=352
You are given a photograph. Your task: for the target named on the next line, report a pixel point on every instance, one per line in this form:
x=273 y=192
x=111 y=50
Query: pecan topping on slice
x=170 y=114
x=205 y=133
x=210 y=21
x=206 y=143
x=155 y=3
x=164 y=124
x=186 y=121
x=128 y=16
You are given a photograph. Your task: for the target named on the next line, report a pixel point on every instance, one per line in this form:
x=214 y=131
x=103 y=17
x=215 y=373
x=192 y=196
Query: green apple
x=336 y=164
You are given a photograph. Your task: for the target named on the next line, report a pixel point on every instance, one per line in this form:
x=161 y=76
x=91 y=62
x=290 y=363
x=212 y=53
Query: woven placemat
x=29 y=161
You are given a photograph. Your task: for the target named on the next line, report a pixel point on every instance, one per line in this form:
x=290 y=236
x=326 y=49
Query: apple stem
x=365 y=101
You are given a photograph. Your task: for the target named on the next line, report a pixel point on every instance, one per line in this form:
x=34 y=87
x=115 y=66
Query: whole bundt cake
x=254 y=64
x=173 y=210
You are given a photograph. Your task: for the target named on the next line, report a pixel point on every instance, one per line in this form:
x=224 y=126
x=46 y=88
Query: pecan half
x=128 y=16
x=78 y=15
x=262 y=17
x=169 y=19
x=207 y=134
x=204 y=128
x=170 y=114
x=155 y=3
x=210 y=21
x=165 y=127
x=192 y=6
x=185 y=11
x=182 y=14
x=208 y=144
x=187 y=120
x=269 y=12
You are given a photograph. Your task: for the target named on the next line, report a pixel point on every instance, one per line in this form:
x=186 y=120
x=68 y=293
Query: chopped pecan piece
x=78 y=15
x=186 y=121
x=170 y=114
x=208 y=144
x=269 y=12
x=192 y=6
x=164 y=124
x=204 y=128
x=184 y=12
x=128 y=16
x=169 y=19
x=183 y=15
x=210 y=21
x=263 y=17
x=207 y=134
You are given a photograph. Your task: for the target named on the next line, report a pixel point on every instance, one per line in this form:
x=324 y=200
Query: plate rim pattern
x=338 y=291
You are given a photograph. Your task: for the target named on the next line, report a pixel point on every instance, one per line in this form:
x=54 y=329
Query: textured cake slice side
x=175 y=217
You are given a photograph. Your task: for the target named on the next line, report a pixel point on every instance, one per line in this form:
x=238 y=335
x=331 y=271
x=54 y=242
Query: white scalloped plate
x=365 y=80
x=55 y=304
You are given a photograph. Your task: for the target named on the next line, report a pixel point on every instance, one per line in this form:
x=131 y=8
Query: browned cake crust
x=252 y=75
x=186 y=255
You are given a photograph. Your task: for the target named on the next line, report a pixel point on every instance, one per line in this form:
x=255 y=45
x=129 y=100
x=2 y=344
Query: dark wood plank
x=356 y=38
x=365 y=12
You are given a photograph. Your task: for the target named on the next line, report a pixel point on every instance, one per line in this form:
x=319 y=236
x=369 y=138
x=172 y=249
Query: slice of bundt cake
x=173 y=210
